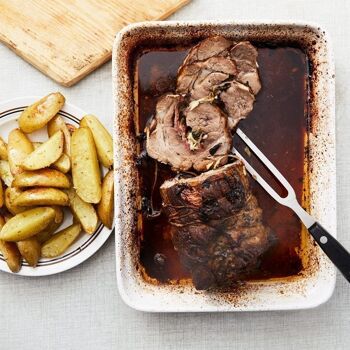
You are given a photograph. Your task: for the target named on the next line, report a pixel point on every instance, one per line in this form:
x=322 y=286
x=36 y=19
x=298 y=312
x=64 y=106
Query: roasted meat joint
x=216 y=225
x=215 y=221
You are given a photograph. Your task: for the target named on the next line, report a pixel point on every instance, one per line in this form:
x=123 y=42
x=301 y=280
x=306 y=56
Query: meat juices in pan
x=280 y=106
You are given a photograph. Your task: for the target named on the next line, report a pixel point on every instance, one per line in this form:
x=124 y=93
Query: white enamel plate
x=86 y=245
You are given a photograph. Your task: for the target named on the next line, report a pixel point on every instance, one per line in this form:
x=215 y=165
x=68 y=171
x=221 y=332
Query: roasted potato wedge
x=60 y=242
x=10 y=252
x=27 y=224
x=63 y=164
x=11 y=194
x=11 y=255
x=5 y=172
x=19 y=148
x=84 y=212
x=3 y=149
x=102 y=138
x=85 y=167
x=30 y=249
x=46 y=234
x=41 y=196
x=45 y=154
x=37 y=115
x=56 y=124
x=105 y=209
x=41 y=178
x=59 y=215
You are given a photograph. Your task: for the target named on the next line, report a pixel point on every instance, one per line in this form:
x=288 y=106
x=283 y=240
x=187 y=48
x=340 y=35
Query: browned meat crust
x=217 y=225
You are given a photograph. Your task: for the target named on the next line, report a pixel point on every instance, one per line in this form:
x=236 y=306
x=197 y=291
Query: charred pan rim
x=286 y=294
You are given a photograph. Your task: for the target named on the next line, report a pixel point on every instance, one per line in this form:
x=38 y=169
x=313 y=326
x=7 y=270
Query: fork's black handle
x=333 y=249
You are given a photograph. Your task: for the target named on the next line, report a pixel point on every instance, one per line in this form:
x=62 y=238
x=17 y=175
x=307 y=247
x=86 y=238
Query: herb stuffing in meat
x=188 y=146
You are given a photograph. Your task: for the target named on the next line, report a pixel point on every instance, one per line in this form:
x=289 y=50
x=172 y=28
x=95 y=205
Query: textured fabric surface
x=81 y=308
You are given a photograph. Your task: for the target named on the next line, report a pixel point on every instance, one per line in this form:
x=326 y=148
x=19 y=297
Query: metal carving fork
x=333 y=249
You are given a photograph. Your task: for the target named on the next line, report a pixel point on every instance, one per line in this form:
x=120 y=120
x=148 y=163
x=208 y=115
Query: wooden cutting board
x=67 y=39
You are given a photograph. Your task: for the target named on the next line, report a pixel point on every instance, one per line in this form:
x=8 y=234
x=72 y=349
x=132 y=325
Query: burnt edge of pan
x=313 y=41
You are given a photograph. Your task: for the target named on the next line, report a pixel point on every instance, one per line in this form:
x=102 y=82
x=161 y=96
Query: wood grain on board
x=67 y=39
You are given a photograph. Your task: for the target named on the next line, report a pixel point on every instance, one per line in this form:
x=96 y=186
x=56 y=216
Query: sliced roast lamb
x=214 y=46
x=217 y=225
x=217 y=69
x=245 y=57
x=243 y=105
x=200 y=140
x=215 y=90
x=203 y=79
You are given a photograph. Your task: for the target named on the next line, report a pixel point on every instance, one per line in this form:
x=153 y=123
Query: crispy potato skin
x=63 y=164
x=46 y=154
x=30 y=249
x=85 y=167
x=42 y=196
x=5 y=173
x=105 y=209
x=60 y=242
x=19 y=148
x=41 y=178
x=56 y=124
x=11 y=194
x=3 y=149
x=102 y=138
x=11 y=255
x=84 y=212
x=37 y=115
x=27 y=224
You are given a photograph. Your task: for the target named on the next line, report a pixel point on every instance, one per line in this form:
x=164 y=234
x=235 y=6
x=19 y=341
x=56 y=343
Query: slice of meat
x=202 y=79
x=245 y=51
x=238 y=102
x=217 y=225
x=197 y=138
x=245 y=56
x=217 y=71
x=211 y=47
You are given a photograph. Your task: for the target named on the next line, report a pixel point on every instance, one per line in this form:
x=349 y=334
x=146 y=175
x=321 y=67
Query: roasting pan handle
x=333 y=249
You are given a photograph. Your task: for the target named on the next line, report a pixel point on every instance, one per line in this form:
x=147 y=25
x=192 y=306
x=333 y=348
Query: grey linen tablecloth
x=81 y=308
